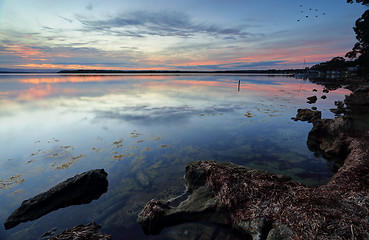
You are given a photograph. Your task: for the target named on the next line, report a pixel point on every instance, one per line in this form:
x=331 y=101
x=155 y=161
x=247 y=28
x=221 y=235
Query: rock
x=337 y=111
x=315 y=90
x=203 y=204
x=142 y=178
x=323 y=97
x=307 y=115
x=329 y=136
x=364 y=88
x=279 y=231
x=83 y=232
x=312 y=99
x=48 y=234
x=325 y=90
x=314 y=108
x=80 y=189
x=359 y=97
x=259 y=205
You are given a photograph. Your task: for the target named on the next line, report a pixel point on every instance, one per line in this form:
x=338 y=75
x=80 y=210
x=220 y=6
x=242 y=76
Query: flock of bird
x=310 y=12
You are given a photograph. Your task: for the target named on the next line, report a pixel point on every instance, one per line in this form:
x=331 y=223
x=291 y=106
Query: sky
x=173 y=34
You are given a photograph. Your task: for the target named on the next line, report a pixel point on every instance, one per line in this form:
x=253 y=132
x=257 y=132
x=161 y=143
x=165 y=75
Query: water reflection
x=143 y=130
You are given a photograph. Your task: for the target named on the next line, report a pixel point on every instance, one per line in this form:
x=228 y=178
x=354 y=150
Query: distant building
x=353 y=69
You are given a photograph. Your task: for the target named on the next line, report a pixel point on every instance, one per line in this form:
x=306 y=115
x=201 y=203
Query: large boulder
x=80 y=189
x=260 y=205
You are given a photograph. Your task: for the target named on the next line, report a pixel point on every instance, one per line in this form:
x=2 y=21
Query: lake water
x=143 y=129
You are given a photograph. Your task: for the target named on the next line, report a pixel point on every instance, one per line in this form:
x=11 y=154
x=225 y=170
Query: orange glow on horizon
x=82 y=67
x=289 y=56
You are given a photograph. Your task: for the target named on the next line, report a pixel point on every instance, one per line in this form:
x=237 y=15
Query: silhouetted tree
x=335 y=64
x=361 y=48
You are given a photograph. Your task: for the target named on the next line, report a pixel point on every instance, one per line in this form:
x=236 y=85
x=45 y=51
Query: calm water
x=143 y=129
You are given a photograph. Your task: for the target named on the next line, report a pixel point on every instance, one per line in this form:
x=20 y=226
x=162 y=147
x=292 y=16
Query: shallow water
x=143 y=129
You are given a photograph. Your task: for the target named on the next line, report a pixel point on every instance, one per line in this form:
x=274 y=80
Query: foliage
x=364 y=2
x=361 y=48
x=335 y=64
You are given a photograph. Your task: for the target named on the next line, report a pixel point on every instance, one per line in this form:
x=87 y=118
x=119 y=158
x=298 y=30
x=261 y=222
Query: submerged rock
x=83 y=232
x=143 y=178
x=80 y=189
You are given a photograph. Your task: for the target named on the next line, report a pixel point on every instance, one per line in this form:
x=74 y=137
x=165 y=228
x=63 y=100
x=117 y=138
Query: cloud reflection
x=146 y=115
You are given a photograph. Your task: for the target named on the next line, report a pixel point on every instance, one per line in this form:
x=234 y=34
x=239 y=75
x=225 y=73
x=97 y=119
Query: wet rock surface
x=307 y=115
x=260 y=205
x=82 y=232
x=80 y=189
x=312 y=99
x=328 y=136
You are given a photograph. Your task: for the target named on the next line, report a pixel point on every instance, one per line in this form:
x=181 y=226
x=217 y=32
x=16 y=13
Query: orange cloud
x=290 y=56
x=25 y=51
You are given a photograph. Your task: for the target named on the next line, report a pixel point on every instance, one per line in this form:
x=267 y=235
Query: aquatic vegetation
x=67 y=147
x=121 y=156
x=35 y=153
x=138 y=162
x=8 y=183
x=18 y=191
x=118 y=144
x=69 y=163
x=98 y=150
x=248 y=114
x=146 y=149
x=135 y=134
x=54 y=140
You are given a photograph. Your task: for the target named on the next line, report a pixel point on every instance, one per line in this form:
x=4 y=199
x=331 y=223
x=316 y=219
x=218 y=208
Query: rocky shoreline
x=260 y=205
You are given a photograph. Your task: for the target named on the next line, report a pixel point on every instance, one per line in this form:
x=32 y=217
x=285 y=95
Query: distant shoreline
x=270 y=71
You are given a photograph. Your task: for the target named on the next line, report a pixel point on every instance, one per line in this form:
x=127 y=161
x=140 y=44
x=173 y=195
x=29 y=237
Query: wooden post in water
x=239 y=84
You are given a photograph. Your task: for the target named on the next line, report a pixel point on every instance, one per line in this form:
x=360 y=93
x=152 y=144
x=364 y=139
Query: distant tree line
x=94 y=71
x=335 y=64
x=360 y=51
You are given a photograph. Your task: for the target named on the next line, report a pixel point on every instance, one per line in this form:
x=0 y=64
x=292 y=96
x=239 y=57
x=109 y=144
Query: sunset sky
x=173 y=34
